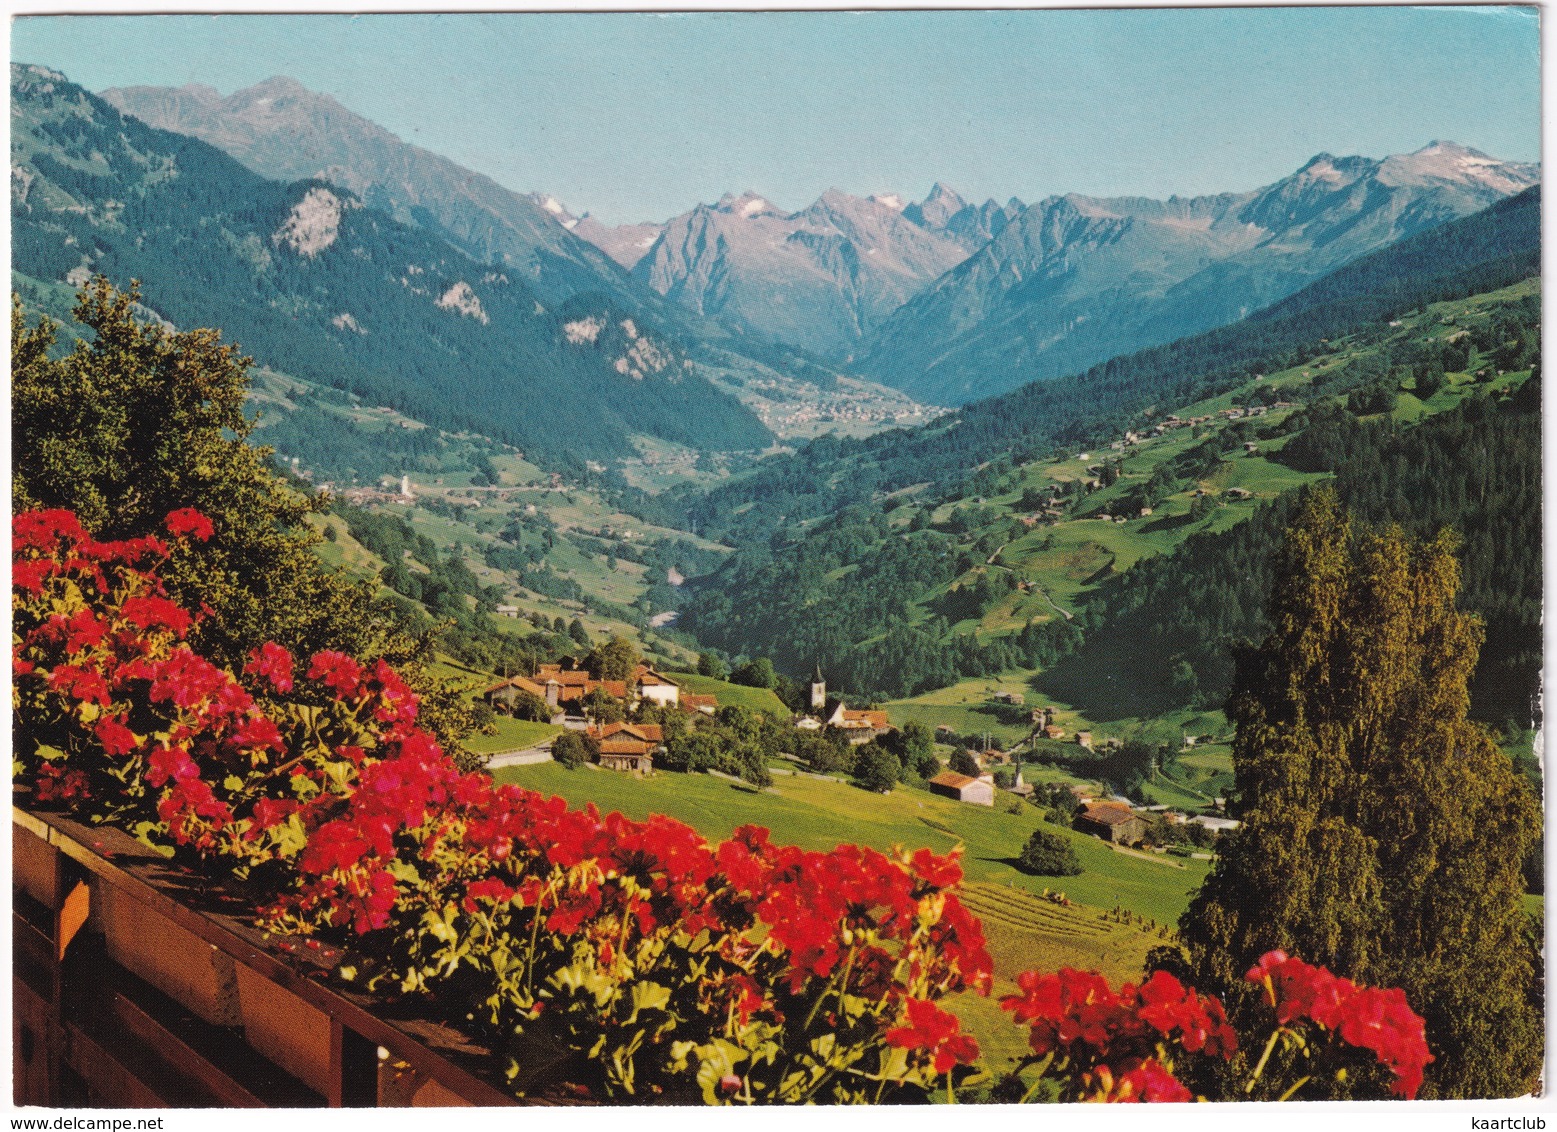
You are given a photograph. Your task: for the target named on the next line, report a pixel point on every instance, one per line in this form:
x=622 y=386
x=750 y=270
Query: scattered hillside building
x=1084 y=739
x=1112 y=821
x=1054 y=732
x=974 y=791
x=861 y=726
x=505 y=694
x=702 y=705
x=647 y=684
x=628 y=746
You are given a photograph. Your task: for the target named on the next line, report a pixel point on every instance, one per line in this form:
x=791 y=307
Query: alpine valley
x=861 y=507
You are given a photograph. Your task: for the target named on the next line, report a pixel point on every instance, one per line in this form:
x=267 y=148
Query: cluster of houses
x=860 y=726
x=568 y=690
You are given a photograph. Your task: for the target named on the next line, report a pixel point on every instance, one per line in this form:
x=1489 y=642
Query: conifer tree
x=1382 y=832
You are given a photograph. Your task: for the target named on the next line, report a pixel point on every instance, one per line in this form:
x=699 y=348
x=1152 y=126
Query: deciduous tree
x=1382 y=832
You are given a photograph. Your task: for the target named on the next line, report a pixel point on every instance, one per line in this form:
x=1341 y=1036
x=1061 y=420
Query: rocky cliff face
x=821 y=278
x=1071 y=281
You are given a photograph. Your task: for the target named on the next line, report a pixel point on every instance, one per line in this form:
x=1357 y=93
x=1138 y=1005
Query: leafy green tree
x=137 y=420
x=695 y=751
x=917 y=741
x=1383 y=833
x=963 y=762
x=876 y=768
x=573 y=749
x=756 y=673
x=602 y=707
x=529 y=706
x=613 y=660
x=1049 y=854
x=577 y=631
x=710 y=664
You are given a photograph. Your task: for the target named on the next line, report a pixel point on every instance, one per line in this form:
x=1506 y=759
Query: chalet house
x=505 y=693
x=860 y=726
x=975 y=791
x=1084 y=739
x=647 y=684
x=628 y=746
x=699 y=705
x=1054 y=732
x=1112 y=821
x=1007 y=697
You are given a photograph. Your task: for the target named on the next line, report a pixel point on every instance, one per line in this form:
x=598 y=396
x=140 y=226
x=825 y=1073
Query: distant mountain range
x=821 y=279
x=1071 y=281
x=943 y=299
x=314 y=281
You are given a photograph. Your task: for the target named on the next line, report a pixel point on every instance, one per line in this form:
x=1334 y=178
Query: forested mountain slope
x=311 y=281
x=1004 y=569
x=286 y=132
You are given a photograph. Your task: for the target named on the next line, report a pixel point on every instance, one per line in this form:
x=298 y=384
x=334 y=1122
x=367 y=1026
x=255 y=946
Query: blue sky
x=640 y=116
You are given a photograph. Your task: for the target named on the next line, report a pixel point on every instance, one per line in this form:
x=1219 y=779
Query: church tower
x=818 y=690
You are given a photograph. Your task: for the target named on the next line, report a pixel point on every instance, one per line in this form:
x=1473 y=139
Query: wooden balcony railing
x=138 y=985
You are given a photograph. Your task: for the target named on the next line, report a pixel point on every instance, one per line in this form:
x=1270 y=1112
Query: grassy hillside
x=739 y=695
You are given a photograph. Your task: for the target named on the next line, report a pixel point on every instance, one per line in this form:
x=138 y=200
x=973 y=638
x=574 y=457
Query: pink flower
x=337 y=670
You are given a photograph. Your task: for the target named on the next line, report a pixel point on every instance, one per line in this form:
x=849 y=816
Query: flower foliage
x=601 y=957
x=622 y=958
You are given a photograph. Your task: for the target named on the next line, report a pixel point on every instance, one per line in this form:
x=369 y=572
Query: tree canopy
x=1383 y=832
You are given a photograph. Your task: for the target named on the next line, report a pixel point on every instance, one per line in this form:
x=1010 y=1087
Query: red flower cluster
x=1116 y=1046
x=274 y=663
x=188 y=521
x=1370 y=1018
x=936 y=1032
x=1076 y=1010
x=1148 y=1082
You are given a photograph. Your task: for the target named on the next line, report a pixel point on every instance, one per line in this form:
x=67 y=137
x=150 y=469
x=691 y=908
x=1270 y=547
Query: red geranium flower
x=935 y=1031
x=188 y=521
x=274 y=663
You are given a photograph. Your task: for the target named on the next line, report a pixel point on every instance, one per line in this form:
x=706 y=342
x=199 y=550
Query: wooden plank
x=34 y=1046
x=226 y=1091
x=118 y=860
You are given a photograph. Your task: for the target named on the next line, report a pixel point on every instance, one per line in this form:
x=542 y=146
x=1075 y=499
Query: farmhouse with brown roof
x=1112 y=821
x=628 y=746
x=975 y=791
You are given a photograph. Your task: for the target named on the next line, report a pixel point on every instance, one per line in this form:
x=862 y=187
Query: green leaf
x=648 y=996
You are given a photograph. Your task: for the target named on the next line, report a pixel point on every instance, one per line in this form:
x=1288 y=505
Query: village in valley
x=623 y=724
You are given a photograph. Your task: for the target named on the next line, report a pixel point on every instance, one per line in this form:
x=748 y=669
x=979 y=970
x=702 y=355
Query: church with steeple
x=860 y=726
